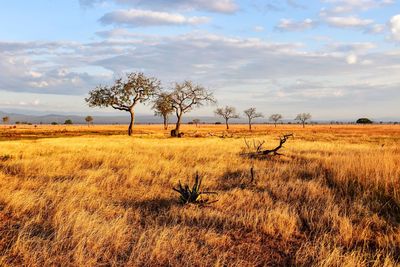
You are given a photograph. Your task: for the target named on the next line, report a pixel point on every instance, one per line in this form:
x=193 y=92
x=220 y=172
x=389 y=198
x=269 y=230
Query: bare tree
x=89 y=120
x=196 y=122
x=125 y=94
x=185 y=97
x=275 y=118
x=227 y=113
x=303 y=117
x=251 y=114
x=163 y=107
x=256 y=148
x=6 y=120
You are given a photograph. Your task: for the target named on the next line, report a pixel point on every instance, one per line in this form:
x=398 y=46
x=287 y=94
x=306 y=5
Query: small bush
x=192 y=196
x=364 y=121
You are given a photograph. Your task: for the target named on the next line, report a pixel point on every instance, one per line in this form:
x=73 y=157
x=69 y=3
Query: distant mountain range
x=76 y=119
x=140 y=119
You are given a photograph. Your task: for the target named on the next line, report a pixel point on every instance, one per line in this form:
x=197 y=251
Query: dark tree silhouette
x=163 y=107
x=196 y=122
x=185 y=97
x=303 y=117
x=68 y=122
x=89 y=120
x=251 y=114
x=6 y=120
x=227 y=113
x=275 y=118
x=364 y=121
x=125 y=94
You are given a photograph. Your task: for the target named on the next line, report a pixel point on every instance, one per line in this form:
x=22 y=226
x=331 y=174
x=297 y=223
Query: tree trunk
x=227 y=125
x=165 y=122
x=275 y=124
x=304 y=124
x=132 y=122
x=250 y=125
x=177 y=126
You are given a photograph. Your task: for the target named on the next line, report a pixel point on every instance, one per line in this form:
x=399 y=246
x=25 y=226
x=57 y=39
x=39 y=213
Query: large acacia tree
x=227 y=113
x=251 y=114
x=163 y=107
x=125 y=94
x=185 y=97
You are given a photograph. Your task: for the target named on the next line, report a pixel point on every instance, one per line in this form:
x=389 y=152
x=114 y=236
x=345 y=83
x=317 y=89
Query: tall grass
x=332 y=199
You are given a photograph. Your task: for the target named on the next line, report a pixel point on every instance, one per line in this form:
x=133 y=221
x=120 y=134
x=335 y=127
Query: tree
x=68 y=122
x=6 y=120
x=303 y=117
x=275 y=118
x=162 y=106
x=89 y=120
x=196 y=122
x=125 y=94
x=227 y=113
x=364 y=121
x=185 y=97
x=251 y=114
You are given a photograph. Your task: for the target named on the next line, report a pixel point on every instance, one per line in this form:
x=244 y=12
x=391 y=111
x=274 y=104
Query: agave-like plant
x=192 y=195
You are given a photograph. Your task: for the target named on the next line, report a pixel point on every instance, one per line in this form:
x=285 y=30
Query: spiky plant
x=192 y=195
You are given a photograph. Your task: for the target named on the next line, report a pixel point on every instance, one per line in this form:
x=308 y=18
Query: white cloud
x=357 y=47
x=351 y=59
x=219 y=6
x=222 y=63
x=376 y=28
x=395 y=27
x=289 y=25
x=39 y=84
x=348 y=22
x=137 y=18
x=259 y=29
x=348 y=6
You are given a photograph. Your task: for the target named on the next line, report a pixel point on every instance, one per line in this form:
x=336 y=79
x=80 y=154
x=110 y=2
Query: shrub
x=364 y=121
x=192 y=196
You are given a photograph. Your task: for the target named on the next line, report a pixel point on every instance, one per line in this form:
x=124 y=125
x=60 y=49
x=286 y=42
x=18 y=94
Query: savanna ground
x=92 y=196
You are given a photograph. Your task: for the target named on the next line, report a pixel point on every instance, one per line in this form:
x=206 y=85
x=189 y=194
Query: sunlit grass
x=100 y=199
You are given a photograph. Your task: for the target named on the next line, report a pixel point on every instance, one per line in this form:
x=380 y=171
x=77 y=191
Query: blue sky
x=333 y=58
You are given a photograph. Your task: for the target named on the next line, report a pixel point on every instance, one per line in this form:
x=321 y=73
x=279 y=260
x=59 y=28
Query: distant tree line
x=127 y=92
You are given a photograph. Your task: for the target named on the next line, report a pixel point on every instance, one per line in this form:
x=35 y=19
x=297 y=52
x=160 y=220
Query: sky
x=336 y=59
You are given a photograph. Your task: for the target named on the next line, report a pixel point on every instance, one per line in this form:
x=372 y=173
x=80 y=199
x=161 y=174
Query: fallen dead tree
x=255 y=149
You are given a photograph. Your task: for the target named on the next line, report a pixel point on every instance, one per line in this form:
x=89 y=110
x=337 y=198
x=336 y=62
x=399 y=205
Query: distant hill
x=143 y=119
x=60 y=119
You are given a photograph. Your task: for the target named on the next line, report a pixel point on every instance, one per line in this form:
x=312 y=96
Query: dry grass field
x=92 y=196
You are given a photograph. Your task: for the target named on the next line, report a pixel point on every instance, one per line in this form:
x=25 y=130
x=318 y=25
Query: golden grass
x=100 y=199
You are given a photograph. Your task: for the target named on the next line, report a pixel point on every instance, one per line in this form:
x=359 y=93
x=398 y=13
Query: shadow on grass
x=244 y=243
x=151 y=206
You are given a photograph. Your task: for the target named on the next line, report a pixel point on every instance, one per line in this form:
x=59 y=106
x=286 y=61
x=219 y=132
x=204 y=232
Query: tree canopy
x=125 y=93
x=185 y=97
x=364 y=121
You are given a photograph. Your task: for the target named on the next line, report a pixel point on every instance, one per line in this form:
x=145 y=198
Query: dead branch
x=258 y=151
